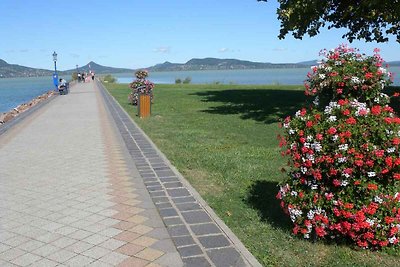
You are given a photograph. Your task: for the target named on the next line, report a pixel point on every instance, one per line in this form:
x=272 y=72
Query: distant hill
x=98 y=69
x=13 y=70
x=223 y=64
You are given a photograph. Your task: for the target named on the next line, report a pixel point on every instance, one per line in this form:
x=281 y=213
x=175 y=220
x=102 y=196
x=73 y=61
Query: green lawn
x=222 y=138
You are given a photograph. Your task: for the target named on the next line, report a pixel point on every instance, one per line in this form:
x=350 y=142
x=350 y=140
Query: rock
x=9 y=116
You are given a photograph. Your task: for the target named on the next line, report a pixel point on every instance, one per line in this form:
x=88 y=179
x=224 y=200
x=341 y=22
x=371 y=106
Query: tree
x=371 y=20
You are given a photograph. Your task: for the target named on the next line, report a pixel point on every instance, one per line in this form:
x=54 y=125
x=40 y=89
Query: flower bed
x=344 y=154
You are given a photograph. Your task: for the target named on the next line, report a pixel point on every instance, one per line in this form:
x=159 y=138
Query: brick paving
x=82 y=185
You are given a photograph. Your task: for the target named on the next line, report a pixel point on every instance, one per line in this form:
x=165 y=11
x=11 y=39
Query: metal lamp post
x=55 y=75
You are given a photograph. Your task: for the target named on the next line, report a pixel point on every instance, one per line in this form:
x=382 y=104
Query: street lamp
x=55 y=75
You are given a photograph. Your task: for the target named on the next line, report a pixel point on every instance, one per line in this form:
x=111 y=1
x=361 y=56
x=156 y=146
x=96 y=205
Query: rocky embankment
x=7 y=116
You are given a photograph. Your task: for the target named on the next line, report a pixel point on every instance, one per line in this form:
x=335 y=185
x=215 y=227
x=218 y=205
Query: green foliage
x=370 y=20
x=109 y=79
x=74 y=76
x=187 y=80
x=178 y=81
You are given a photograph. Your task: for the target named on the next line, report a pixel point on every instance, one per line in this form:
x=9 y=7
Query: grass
x=222 y=138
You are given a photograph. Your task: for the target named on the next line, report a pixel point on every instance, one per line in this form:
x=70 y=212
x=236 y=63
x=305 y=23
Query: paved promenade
x=81 y=185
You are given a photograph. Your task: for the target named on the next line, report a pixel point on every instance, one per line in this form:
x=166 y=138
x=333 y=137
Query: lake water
x=259 y=76
x=15 y=91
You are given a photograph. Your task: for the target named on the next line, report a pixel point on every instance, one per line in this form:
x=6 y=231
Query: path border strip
x=172 y=195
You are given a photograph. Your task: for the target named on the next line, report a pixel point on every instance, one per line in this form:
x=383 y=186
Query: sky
x=138 y=34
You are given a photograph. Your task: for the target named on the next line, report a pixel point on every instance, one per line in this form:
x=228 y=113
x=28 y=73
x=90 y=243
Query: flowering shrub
x=345 y=156
x=140 y=86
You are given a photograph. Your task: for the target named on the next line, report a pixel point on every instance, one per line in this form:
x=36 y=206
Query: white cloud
x=162 y=49
x=223 y=50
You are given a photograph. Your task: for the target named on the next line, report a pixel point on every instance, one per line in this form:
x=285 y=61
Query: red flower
x=372 y=187
x=319 y=137
x=351 y=120
x=332 y=130
x=396 y=176
x=389 y=220
x=376 y=110
x=358 y=162
x=379 y=153
x=309 y=124
x=346 y=112
x=320 y=231
x=396 y=141
x=369 y=75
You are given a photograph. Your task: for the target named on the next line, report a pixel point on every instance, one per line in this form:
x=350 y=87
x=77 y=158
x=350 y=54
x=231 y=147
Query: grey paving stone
x=169 y=179
x=180 y=192
x=183 y=241
x=154 y=188
x=173 y=221
x=196 y=262
x=171 y=212
x=190 y=251
x=170 y=185
x=157 y=194
x=183 y=199
x=226 y=257
x=165 y=173
x=163 y=205
x=205 y=229
x=160 y=199
x=196 y=217
x=214 y=241
x=178 y=230
x=188 y=206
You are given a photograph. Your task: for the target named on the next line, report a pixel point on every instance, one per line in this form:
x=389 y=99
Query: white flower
x=335 y=137
x=342 y=160
x=332 y=118
x=322 y=76
x=377 y=199
x=293 y=193
x=391 y=150
x=383 y=70
x=370 y=221
x=306 y=236
x=316 y=101
x=291 y=131
x=298 y=113
x=310 y=138
x=310 y=215
x=303 y=170
x=314 y=187
x=371 y=174
x=307 y=145
x=286 y=125
x=343 y=147
x=355 y=80
x=338 y=63
x=344 y=183
x=316 y=146
x=392 y=239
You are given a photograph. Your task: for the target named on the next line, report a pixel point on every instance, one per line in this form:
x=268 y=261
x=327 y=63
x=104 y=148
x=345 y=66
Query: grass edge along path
x=222 y=138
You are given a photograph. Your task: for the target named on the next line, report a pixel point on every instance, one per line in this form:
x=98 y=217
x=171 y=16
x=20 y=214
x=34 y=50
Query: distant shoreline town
x=13 y=70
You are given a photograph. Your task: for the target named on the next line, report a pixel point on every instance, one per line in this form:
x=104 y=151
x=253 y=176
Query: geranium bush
x=344 y=154
x=140 y=86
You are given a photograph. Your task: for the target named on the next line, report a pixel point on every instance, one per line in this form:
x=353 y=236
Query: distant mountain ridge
x=13 y=70
x=98 y=69
x=223 y=64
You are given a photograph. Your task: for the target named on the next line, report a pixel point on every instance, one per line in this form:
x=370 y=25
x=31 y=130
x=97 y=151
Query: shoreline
x=18 y=110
